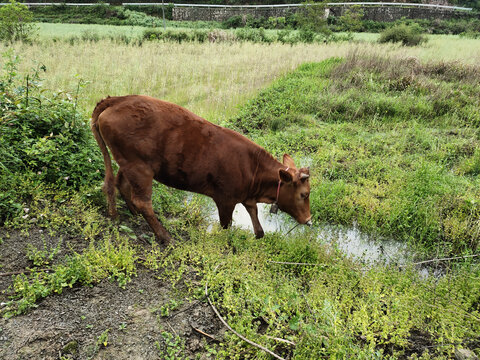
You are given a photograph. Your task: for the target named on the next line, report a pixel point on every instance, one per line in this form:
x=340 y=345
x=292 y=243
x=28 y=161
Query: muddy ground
x=75 y=324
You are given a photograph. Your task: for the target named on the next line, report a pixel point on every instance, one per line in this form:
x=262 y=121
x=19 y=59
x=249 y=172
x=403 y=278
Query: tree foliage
x=16 y=22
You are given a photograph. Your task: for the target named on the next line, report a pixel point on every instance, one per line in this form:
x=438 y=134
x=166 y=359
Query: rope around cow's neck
x=289 y=231
x=275 y=204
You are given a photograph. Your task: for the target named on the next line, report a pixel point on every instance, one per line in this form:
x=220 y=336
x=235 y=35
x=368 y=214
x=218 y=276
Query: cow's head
x=294 y=196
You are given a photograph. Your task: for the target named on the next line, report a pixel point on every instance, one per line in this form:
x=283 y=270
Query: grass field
x=210 y=79
x=391 y=135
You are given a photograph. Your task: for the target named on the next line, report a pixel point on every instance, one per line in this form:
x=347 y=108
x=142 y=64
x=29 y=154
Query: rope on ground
x=443 y=259
x=295 y=263
x=230 y=328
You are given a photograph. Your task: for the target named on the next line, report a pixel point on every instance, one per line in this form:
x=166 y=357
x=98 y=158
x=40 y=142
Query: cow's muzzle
x=309 y=221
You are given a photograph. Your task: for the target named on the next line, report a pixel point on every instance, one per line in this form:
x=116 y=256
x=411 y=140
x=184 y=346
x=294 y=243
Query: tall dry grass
x=210 y=79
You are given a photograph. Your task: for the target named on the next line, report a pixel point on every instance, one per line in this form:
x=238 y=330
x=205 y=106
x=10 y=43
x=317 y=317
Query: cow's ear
x=288 y=161
x=285 y=176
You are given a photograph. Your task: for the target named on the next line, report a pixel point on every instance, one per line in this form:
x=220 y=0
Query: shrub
x=233 y=22
x=16 y=22
x=312 y=18
x=352 y=18
x=176 y=35
x=44 y=140
x=409 y=35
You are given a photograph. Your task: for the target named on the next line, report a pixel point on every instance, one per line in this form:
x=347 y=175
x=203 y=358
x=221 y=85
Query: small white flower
x=25 y=216
x=67 y=177
x=26 y=210
x=89 y=160
x=39 y=173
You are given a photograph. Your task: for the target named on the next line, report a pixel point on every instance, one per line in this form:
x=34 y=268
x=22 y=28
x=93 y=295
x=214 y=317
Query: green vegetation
x=45 y=140
x=393 y=144
x=101 y=14
x=331 y=310
x=409 y=35
x=393 y=147
x=311 y=20
x=16 y=22
x=466 y=3
x=243 y=34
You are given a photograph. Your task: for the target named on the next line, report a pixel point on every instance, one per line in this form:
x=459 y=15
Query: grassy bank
x=393 y=144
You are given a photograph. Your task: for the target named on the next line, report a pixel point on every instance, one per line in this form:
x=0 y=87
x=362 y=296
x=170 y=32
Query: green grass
x=393 y=144
x=392 y=141
x=48 y=31
x=336 y=309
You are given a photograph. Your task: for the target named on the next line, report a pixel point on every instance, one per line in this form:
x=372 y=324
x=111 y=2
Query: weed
x=172 y=347
x=44 y=256
x=170 y=306
x=103 y=339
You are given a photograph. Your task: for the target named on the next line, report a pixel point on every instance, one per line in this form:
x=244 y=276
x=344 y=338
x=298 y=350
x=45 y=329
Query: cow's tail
x=109 y=183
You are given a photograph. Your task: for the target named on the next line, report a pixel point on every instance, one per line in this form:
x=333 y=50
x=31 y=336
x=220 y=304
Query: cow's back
x=182 y=149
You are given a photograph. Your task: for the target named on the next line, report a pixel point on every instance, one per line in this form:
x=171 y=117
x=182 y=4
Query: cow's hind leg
x=125 y=191
x=253 y=212
x=225 y=212
x=140 y=180
x=109 y=190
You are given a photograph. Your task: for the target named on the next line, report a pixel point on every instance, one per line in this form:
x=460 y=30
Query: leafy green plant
x=103 y=338
x=172 y=347
x=43 y=138
x=351 y=20
x=41 y=257
x=233 y=22
x=170 y=306
x=16 y=22
x=312 y=18
x=114 y=260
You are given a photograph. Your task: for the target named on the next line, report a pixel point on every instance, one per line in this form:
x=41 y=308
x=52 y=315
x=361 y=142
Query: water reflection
x=349 y=240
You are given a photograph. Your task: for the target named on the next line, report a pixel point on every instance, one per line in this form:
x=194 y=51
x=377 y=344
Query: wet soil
x=77 y=323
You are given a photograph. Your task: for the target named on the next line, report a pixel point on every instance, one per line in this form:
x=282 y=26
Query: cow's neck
x=266 y=178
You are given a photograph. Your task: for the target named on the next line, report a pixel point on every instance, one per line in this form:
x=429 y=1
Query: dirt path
x=77 y=323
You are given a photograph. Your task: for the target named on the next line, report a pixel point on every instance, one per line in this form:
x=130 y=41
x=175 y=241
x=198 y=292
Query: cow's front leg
x=253 y=212
x=225 y=213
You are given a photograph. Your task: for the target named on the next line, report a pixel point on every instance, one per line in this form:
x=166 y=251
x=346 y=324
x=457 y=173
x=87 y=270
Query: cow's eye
x=304 y=195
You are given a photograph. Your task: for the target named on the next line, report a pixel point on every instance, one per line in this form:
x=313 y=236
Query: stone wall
x=392 y=13
x=376 y=13
x=221 y=14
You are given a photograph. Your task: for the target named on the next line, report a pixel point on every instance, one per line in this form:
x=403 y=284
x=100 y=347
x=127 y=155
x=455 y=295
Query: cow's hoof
x=259 y=234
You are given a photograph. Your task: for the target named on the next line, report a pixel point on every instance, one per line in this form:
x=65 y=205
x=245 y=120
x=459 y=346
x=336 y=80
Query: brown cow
x=154 y=139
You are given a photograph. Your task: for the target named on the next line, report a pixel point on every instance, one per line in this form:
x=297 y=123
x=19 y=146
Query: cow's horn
x=304 y=176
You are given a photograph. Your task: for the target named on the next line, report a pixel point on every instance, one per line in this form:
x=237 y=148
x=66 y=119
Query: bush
x=44 y=140
x=16 y=22
x=409 y=35
x=233 y=22
x=176 y=35
x=255 y=35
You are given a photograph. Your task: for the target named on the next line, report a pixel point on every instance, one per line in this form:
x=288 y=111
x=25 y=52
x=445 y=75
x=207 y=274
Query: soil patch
x=79 y=322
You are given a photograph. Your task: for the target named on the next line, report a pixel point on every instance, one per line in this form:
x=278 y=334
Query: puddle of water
x=360 y=246
x=349 y=240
